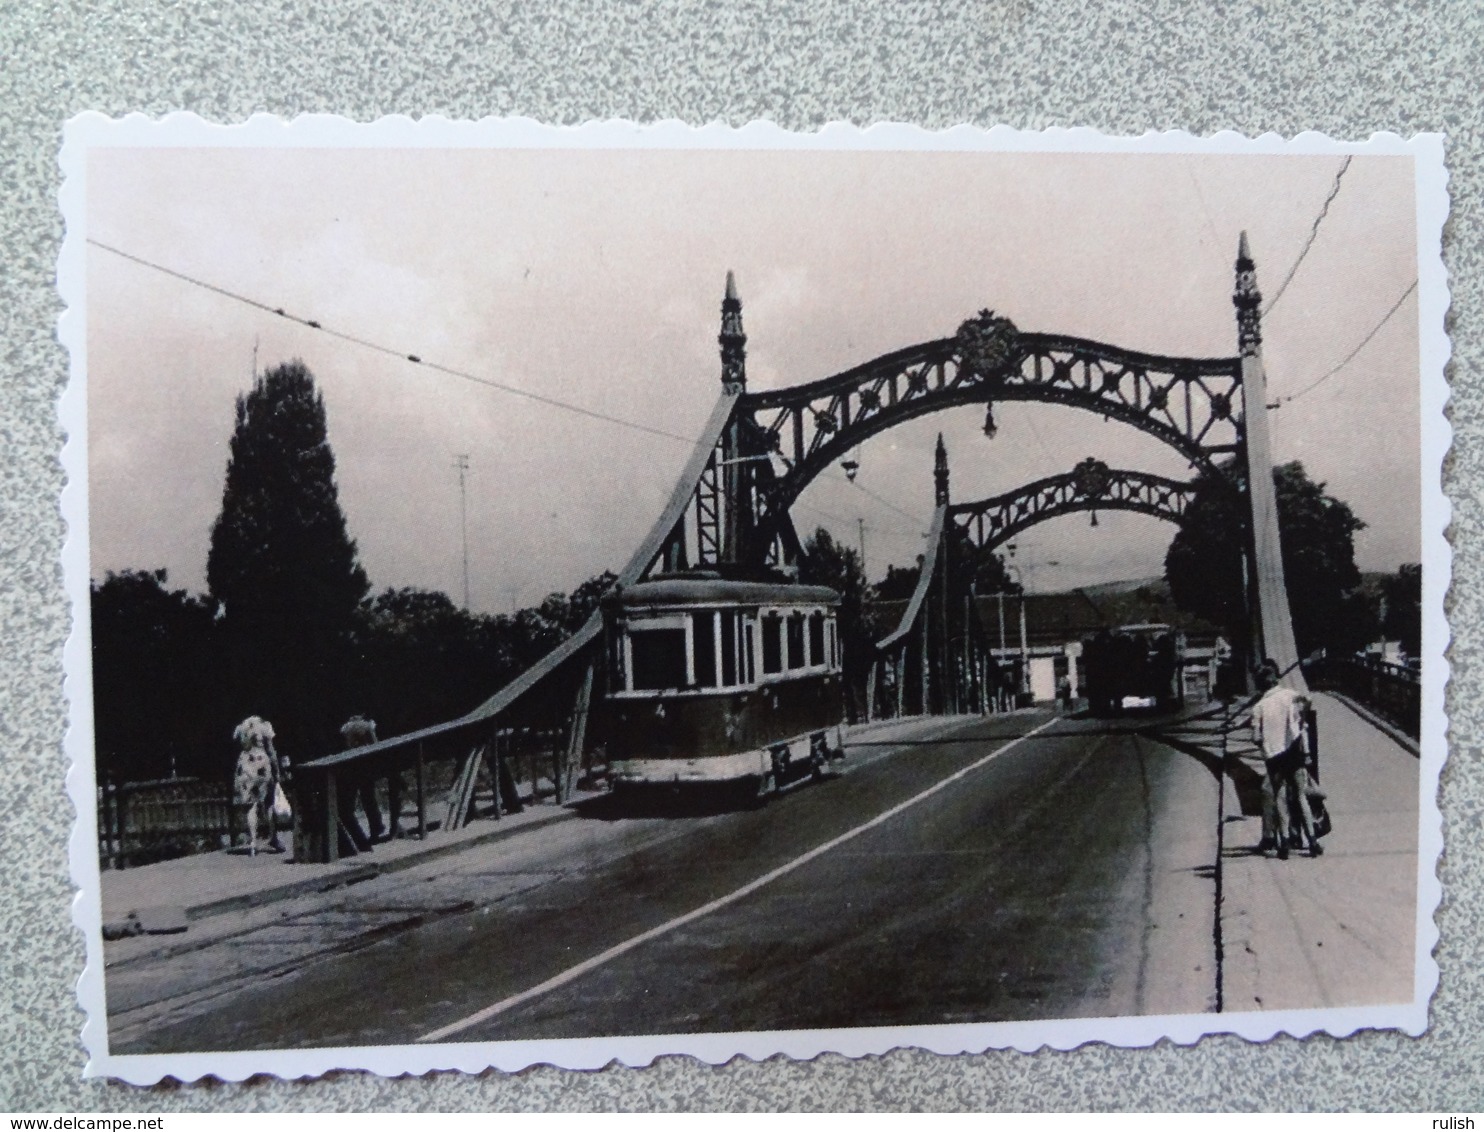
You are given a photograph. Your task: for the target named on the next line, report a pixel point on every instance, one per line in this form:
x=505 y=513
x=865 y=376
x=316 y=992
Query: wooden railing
x=139 y=822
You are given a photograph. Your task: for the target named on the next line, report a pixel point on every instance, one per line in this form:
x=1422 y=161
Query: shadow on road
x=691 y=800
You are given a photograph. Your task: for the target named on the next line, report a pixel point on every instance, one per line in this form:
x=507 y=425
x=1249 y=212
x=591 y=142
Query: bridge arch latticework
x=1194 y=405
x=1091 y=486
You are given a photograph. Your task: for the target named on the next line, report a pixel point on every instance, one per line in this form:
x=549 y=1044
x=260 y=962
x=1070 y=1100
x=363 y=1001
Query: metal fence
x=1392 y=691
x=140 y=822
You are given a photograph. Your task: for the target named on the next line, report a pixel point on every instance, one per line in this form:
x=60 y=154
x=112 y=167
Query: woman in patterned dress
x=257 y=775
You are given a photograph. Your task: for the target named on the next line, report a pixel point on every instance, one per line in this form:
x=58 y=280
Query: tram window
x=796 y=658
x=703 y=641
x=659 y=658
x=817 y=655
x=616 y=659
x=729 y=650
x=772 y=644
x=834 y=640
x=749 y=669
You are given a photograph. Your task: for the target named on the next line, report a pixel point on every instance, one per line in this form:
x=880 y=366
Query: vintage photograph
x=565 y=595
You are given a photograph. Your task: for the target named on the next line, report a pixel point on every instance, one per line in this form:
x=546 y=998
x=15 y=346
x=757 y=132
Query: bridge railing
x=936 y=660
x=1392 y=691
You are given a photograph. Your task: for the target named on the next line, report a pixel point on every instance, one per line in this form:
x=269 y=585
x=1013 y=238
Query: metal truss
x=1192 y=404
x=1090 y=486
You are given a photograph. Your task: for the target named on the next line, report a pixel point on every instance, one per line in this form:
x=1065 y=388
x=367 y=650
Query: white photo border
x=94 y=130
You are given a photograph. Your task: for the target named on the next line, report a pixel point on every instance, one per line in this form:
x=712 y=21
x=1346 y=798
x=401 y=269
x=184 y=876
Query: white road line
x=720 y=902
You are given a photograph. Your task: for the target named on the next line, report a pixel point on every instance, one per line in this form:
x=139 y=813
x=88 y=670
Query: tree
x=282 y=564
x=152 y=679
x=421 y=659
x=1402 y=621
x=830 y=563
x=898 y=583
x=1204 y=563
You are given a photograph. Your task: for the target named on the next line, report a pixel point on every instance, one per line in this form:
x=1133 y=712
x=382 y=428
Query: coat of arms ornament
x=987 y=343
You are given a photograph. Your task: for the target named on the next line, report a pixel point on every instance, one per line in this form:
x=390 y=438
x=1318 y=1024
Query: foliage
x=165 y=702
x=287 y=631
x=898 y=583
x=1401 y=594
x=1317 y=532
x=830 y=563
x=153 y=652
x=281 y=563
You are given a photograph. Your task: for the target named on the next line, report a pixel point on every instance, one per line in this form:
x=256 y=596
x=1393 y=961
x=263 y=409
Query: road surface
x=1013 y=867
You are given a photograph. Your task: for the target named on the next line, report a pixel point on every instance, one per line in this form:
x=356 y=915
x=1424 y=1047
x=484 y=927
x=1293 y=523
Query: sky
x=595 y=277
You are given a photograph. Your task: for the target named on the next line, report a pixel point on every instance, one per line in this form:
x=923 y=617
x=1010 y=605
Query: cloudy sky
x=595 y=277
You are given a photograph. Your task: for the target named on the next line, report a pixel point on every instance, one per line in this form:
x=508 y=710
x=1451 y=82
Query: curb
x=1392 y=732
x=358 y=873
x=172 y=944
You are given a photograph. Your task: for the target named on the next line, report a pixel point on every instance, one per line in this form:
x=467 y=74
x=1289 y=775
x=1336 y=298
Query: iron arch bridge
x=1090 y=486
x=729 y=512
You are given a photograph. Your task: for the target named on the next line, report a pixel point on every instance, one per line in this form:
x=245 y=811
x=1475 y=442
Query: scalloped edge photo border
x=92 y=129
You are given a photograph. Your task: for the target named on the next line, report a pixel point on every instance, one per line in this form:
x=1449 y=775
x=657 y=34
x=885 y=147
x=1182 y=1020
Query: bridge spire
x=1272 y=622
x=1248 y=301
x=732 y=340
x=940 y=473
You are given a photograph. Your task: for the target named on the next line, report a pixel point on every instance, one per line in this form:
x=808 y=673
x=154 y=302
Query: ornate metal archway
x=1192 y=404
x=1090 y=486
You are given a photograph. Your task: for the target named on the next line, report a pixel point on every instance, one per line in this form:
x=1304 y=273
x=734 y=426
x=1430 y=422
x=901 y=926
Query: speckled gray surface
x=1344 y=68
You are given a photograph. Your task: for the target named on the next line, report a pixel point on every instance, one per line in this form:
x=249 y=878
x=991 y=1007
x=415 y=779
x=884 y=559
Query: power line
x=401 y=355
x=1313 y=235
x=416 y=359
x=1346 y=360
x=888 y=503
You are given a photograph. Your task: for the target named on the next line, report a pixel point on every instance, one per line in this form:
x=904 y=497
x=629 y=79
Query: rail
x=1392 y=691
x=924 y=583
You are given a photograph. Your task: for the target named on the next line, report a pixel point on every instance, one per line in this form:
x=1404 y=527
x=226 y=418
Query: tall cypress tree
x=283 y=565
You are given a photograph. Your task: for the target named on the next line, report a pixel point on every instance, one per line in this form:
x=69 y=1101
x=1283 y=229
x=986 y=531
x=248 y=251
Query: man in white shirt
x=1278 y=729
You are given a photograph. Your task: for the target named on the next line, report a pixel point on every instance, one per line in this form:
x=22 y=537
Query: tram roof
x=676 y=590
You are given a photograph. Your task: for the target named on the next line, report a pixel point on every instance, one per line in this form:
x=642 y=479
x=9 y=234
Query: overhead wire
x=1348 y=358
x=415 y=359
x=1334 y=191
x=450 y=371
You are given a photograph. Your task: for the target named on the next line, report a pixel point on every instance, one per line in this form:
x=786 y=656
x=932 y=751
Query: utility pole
x=861 y=522
x=461 y=463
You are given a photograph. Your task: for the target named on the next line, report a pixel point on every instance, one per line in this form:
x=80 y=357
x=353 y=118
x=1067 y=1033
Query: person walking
x=258 y=773
x=1278 y=729
x=360 y=785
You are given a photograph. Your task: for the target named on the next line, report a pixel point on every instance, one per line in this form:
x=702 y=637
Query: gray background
x=1204 y=65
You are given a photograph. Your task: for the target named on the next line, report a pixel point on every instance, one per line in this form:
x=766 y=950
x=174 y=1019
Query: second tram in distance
x=1134 y=667
x=718 y=681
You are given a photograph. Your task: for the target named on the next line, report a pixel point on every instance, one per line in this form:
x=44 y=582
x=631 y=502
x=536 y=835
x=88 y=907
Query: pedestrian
x=258 y=773
x=360 y=785
x=1064 y=694
x=1278 y=728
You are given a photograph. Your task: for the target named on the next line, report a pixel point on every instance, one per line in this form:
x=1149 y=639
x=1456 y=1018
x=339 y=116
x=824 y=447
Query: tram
x=1134 y=667
x=721 y=681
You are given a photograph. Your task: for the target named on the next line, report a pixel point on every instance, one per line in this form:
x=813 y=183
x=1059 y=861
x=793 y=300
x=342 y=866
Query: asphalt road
x=1064 y=872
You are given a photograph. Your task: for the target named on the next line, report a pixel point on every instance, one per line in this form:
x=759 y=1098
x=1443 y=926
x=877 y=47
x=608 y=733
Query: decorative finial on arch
x=987 y=344
x=732 y=340
x=1248 y=301
x=940 y=473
